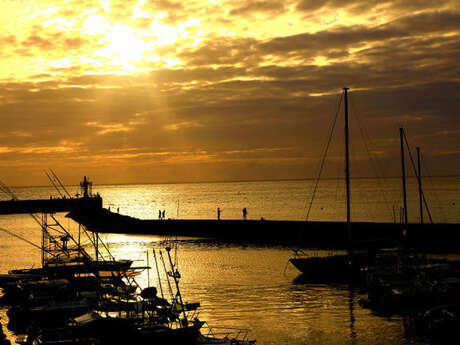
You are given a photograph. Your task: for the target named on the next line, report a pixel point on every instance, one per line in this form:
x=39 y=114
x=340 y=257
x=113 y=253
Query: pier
x=312 y=234
x=49 y=205
x=65 y=203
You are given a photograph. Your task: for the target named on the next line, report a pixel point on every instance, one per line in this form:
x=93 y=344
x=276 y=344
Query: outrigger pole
x=158 y=273
x=176 y=276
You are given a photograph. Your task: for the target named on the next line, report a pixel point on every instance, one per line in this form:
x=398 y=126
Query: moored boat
x=336 y=268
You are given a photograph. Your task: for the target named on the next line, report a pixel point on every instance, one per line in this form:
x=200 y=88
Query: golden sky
x=167 y=91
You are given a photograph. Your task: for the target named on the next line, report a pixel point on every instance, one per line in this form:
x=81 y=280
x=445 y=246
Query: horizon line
x=237 y=181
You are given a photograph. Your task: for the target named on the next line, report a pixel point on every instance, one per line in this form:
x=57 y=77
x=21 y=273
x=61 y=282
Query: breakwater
x=51 y=205
x=313 y=234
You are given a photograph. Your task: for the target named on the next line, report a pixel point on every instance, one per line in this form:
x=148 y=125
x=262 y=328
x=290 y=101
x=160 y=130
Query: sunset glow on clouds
x=164 y=91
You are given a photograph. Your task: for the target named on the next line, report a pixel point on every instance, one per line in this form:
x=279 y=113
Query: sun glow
x=131 y=49
x=95 y=24
x=125 y=44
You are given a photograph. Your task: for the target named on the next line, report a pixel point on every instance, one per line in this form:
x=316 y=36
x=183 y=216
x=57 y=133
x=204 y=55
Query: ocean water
x=248 y=286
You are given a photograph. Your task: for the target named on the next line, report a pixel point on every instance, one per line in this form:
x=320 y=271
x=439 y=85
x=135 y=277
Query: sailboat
x=335 y=268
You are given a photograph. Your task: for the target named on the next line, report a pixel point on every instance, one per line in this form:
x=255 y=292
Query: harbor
x=79 y=297
x=265 y=172
x=81 y=293
x=76 y=297
x=89 y=211
x=239 y=284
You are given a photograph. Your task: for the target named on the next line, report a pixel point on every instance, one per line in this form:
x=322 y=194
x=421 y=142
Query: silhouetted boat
x=407 y=280
x=336 y=268
x=74 y=298
x=440 y=323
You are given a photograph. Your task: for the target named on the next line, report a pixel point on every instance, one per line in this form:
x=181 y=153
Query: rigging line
x=54 y=184
x=323 y=160
x=425 y=201
x=158 y=273
x=167 y=276
x=416 y=175
x=365 y=137
x=5 y=189
x=176 y=261
x=60 y=183
x=434 y=194
x=48 y=234
x=427 y=208
x=62 y=230
x=55 y=177
x=93 y=242
x=86 y=232
x=27 y=241
x=70 y=236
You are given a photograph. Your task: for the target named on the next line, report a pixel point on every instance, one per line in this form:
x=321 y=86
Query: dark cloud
x=75 y=42
x=164 y=5
x=430 y=22
x=36 y=41
x=238 y=121
x=8 y=39
x=167 y=76
x=250 y=7
x=342 y=38
x=175 y=10
x=359 y=6
x=222 y=51
x=50 y=41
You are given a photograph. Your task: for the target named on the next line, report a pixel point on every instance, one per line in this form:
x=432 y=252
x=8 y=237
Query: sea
x=244 y=286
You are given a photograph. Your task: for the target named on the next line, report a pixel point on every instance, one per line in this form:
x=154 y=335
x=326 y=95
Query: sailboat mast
x=347 y=171
x=420 y=192
x=403 y=173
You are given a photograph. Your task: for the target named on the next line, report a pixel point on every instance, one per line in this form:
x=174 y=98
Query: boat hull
x=334 y=268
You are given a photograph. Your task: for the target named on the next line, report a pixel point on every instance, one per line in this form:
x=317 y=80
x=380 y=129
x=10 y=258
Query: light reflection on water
x=245 y=287
x=248 y=287
x=372 y=199
x=252 y=287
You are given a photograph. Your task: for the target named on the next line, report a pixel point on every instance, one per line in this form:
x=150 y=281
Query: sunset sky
x=211 y=90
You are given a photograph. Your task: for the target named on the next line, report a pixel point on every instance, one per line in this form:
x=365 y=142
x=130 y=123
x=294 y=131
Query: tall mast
x=347 y=172
x=420 y=192
x=403 y=173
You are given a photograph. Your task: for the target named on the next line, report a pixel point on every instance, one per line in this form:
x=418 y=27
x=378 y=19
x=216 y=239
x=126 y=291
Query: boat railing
x=239 y=334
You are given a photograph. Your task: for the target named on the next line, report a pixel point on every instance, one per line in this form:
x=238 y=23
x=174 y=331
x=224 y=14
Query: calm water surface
x=249 y=287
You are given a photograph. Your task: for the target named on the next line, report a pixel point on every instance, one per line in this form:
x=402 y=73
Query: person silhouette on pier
x=159 y=214
x=163 y=214
x=245 y=213
x=218 y=213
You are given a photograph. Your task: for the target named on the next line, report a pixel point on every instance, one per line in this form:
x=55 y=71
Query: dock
x=313 y=234
x=64 y=203
x=49 y=205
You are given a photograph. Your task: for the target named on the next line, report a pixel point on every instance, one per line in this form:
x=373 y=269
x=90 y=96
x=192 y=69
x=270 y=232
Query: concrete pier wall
x=49 y=205
x=325 y=235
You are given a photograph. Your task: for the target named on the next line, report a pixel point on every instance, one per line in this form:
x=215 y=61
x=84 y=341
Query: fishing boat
x=79 y=298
